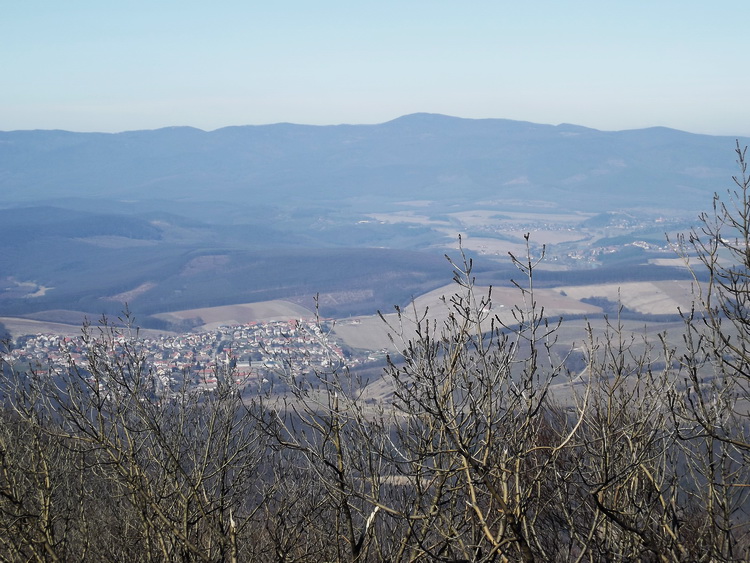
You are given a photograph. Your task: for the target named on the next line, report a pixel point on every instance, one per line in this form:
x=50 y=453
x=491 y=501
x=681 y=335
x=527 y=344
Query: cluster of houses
x=249 y=353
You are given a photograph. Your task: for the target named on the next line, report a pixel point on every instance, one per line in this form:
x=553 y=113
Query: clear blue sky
x=113 y=66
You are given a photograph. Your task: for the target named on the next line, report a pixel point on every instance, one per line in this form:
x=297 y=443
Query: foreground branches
x=495 y=443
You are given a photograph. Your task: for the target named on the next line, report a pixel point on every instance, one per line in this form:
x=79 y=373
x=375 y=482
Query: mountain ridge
x=417 y=152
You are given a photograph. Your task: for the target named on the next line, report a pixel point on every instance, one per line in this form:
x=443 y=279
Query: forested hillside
x=92 y=221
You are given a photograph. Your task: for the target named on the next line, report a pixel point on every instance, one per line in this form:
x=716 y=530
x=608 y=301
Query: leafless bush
x=645 y=457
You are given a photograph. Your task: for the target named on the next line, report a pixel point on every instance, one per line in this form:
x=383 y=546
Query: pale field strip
x=243 y=313
x=371 y=333
x=416 y=203
x=20 y=327
x=405 y=217
x=130 y=295
x=17 y=326
x=513 y=226
x=544 y=236
x=485 y=246
x=481 y=217
x=653 y=298
x=489 y=246
x=672 y=262
x=493 y=216
x=31 y=289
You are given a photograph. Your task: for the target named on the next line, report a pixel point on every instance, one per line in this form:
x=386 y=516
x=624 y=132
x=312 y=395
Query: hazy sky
x=114 y=66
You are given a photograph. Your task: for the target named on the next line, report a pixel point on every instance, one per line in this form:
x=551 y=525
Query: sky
x=85 y=65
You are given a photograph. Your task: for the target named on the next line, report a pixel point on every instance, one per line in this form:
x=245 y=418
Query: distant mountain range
x=420 y=156
x=179 y=218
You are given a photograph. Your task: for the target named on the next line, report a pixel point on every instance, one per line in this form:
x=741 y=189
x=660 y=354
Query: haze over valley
x=178 y=219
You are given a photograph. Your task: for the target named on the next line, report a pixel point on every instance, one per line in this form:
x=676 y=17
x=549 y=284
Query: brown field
x=243 y=313
x=655 y=298
x=126 y=296
x=370 y=332
x=20 y=327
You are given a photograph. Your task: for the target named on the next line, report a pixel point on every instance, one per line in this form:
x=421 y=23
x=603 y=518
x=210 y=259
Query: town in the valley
x=250 y=354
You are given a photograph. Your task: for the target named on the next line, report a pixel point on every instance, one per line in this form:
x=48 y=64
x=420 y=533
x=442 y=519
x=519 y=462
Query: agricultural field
x=18 y=326
x=245 y=313
x=648 y=298
x=662 y=298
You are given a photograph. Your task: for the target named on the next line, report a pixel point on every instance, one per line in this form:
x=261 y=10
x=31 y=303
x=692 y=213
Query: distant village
x=251 y=354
